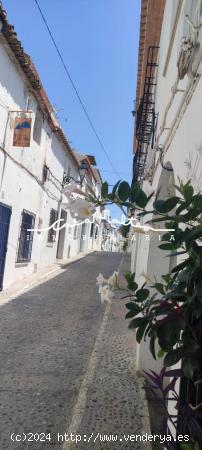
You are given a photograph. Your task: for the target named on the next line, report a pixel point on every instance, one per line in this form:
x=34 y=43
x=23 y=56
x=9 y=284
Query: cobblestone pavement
x=67 y=364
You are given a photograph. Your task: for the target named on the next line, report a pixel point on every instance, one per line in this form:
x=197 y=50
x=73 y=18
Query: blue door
x=5 y=214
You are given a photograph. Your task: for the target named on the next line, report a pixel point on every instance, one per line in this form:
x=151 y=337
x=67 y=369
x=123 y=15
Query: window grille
x=96 y=232
x=26 y=237
x=52 y=231
x=92 y=230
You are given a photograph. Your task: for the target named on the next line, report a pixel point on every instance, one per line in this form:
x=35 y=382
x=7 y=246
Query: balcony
x=146 y=118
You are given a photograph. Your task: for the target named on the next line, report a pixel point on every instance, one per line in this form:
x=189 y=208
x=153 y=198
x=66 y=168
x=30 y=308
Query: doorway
x=61 y=238
x=5 y=214
x=83 y=237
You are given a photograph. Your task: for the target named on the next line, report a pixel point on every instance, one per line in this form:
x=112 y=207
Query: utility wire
x=74 y=87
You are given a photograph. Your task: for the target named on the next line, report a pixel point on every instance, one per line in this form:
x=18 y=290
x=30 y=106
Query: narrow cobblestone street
x=67 y=363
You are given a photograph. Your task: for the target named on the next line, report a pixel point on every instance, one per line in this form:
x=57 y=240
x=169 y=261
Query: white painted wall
x=22 y=186
x=21 y=172
x=186 y=141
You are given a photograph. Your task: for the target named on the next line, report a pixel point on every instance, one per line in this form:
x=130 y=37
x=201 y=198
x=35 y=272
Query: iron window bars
x=25 y=237
x=51 y=231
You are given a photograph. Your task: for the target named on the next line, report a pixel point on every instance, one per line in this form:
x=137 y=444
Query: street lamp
x=82 y=172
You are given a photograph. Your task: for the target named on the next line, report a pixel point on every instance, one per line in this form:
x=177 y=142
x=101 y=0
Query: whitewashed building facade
x=170 y=69
x=173 y=29
x=34 y=155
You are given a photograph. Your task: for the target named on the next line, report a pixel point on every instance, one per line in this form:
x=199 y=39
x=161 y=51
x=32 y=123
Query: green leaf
x=152 y=347
x=183 y=206
x=167 y=278
x=124 y=230
x=175 y=294
x=164 y=206
x=186 y=447
x=188 y=192
x=190 y=215
x=142 y=294
x=161 y=353
x=197 y=310
x=141 y=199
x=131 y=284
x=115 y=187
x=171 y=224
x=138 y=196
x=183 y=275
x=135 y=323
x=189 y=365
x=134 y=191
x=131 y=314
x=199 y=289
x=192 y=234
x=159 y=219
x=129 y=276
x=159 y=287
x=167 y=237
x=196 y=446
x=181 y=265
x=196 y=253
x=169 y=332
x=124 y=191
x=173 y=357
x=105 y=189
x=149 y=197
x=170 y=246
x=197 y=201
x=133 y=306
x=177 y=253
x=141 y=330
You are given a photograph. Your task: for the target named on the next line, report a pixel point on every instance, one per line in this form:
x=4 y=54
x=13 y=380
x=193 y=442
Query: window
x=75 y=231
x=26 y=237
x=92 y=230
x=96 y=232
x=38 y=127
x=52 y=232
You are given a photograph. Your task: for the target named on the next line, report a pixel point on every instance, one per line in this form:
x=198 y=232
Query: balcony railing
x=146 y=117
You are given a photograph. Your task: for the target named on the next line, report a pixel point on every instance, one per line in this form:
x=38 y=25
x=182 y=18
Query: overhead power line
x=74 y=87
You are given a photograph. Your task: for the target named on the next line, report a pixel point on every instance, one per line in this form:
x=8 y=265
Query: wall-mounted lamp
x=82 y=172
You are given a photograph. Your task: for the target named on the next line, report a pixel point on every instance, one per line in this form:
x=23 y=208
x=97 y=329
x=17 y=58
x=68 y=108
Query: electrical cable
x=74 y=86
x=50 y=194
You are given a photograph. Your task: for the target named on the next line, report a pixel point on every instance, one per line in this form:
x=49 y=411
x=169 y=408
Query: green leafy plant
x=168 y=312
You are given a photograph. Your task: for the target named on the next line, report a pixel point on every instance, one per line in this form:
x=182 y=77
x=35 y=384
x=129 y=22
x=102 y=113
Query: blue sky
x=99 y=42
